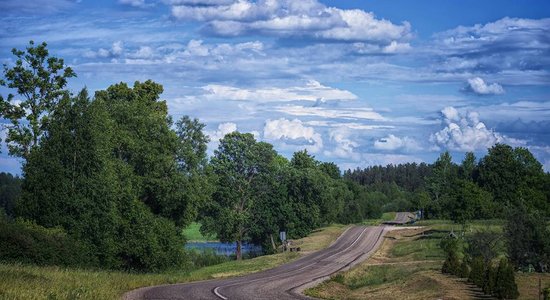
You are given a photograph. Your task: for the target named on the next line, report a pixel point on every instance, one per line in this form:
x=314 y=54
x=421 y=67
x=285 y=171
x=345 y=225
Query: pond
x=227 y=249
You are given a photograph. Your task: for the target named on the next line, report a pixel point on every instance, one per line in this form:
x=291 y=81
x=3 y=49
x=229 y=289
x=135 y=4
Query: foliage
x=528 y=239
x=477 y=271
x=117 y=188
x=26 y=242
x=39 y=80
x=505 y=286
x=10 y=190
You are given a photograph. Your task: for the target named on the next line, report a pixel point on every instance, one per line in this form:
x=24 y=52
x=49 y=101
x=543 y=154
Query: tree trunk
x=273 y=243
x=238 y=253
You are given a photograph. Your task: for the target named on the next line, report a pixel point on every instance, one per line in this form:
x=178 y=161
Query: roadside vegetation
x=408 y=266
x=24 y=281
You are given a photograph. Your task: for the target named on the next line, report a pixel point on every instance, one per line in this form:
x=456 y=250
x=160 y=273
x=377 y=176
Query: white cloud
x=465 y=132
x=117 y=49
x=223 y=129
x=134 y=3
x=333 y=113
x=311 y=91
x=392 y=142
x=283 y=129
x=143 y=52
x=344 y=145
x=479 y=86
x=308 y=18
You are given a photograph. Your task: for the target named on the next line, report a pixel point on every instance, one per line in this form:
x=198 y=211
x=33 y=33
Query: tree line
x=114 y=178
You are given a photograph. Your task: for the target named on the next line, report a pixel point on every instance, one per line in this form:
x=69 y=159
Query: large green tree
x=39 y=81
x=238 y=163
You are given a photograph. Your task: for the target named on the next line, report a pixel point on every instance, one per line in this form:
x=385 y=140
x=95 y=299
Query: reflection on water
x=225 y=248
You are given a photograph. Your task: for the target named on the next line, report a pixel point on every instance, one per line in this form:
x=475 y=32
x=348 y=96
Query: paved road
x=284 y=282
x=401 y=218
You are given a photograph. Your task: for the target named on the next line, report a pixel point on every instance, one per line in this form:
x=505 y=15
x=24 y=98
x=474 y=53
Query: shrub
x=27 y=242
x=490 y=279
x=477 y=272
x=451 y=264
x=464 y=270
x=505 y=285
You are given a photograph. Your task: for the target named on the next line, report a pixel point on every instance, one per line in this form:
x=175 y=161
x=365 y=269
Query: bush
x=477 y=272
x=489 y=282
x=451 y=264
x=464 y=270
x=505 y=285
x=26 y=242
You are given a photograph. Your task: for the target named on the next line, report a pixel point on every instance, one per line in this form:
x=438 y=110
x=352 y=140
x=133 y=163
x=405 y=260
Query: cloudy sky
x=354 y=82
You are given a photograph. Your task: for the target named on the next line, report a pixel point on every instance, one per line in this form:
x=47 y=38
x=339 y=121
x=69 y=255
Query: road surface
x=286 y=281
x=401 y=218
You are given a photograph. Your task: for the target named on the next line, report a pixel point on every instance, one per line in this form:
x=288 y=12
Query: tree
x=508 y=173
x=40 y=81
x=505 y=285
x=440 y=184
x=192 y=162
x=302 y=160
x=528 y=239
x=468 y=166
x=477 y=271
x=10 y=190
x=193 y=144
x=238 y=164
x=97 y=172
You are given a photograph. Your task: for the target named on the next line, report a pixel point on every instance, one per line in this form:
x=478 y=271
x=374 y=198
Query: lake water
x=225 y=248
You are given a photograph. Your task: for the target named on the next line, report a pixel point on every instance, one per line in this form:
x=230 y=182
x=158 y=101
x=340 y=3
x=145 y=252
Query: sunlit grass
x=192 y=233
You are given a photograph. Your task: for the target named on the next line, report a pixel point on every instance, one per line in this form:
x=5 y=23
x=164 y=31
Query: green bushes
x=497 y=280
x=27 y=242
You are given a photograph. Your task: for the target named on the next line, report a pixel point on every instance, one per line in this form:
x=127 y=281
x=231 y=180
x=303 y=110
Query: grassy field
x=192 y=234
x=33 y=282
x=408 y=266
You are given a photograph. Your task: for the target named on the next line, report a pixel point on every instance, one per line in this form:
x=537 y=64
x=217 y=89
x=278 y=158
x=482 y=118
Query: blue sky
x=354 y=82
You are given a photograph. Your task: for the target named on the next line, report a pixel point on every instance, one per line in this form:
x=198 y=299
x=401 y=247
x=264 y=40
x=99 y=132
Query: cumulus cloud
x=223 y=129
x=283 y=129
x=289 y=18
x=344 y=145
x=479 y=86
x=392 y=143
x=465 y=132
x=116 y=50
x=311 y=91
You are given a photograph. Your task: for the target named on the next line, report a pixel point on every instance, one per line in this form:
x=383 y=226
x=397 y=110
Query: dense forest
x=110 y=179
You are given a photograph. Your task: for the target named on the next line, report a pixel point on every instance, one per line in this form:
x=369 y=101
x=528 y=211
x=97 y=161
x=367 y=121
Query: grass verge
x=33 y=282
x=408 y=266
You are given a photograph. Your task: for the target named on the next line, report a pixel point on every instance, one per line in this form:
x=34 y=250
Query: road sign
x=282 y=235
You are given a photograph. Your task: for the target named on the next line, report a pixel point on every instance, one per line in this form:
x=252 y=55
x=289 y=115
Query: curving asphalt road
x=286 y=281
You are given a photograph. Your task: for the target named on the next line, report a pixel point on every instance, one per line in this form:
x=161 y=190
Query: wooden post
x=540 y=288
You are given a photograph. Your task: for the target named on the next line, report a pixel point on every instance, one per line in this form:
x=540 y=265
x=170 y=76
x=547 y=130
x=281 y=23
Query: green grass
x=192 y=233
x=372 y=276
x=476 y=225
x=424 y=248
x=19 y=281
x=387 y=216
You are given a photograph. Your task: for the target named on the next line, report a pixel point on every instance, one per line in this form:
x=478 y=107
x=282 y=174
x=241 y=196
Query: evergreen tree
x=505 y=286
